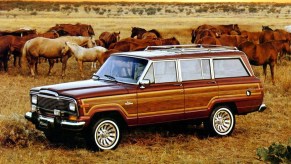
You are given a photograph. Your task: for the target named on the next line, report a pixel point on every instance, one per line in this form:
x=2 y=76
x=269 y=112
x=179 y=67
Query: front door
x=163 y=99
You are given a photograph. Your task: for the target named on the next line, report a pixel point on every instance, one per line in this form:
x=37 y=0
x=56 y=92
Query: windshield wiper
x=95 y=76
x=110 y=77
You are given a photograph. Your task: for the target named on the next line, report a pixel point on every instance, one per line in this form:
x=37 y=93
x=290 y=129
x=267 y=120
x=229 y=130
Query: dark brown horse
x=138 y=32
x=266 y=28
x=261 y=54
x=20 y=32
x=5 y=46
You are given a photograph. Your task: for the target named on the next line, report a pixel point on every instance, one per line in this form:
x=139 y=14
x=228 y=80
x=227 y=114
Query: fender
x=130 y=119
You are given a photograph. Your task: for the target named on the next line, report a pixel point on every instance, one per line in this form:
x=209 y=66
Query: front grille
x=52 y=103
x=48 y=103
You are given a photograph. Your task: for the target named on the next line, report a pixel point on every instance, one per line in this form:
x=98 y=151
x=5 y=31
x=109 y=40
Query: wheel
x=221 y=121
x=104 y=135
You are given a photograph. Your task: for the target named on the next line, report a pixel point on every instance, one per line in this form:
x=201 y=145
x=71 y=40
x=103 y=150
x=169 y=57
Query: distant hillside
x=115 y=9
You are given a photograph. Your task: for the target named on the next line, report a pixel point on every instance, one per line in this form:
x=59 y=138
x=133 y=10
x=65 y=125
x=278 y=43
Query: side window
x=165 y=71
x=195 y=69
x=229 y=68
x=150 y=74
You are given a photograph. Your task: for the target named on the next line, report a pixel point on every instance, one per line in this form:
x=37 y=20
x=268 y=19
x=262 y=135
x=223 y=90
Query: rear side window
x=195 y=69
x=224 y=68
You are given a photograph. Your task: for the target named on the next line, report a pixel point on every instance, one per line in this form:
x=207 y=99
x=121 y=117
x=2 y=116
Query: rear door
x=163 y=99
x=200 y=88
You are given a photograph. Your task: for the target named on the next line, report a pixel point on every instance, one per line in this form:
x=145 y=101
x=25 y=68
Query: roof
x=183 y=51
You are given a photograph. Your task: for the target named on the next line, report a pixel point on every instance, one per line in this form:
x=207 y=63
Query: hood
x=85 y=89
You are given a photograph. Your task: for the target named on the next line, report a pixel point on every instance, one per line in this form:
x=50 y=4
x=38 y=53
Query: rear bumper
x=43 y=123
x=262 y=107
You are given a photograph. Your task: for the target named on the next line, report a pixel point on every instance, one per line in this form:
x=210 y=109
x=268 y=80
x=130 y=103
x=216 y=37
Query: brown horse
x=138 y=32
x=261 y=54
x=74 y=29
x=282 y=46
x=108 y=38
x=196 y=35
x=149 y=35
x=252 y=36
x=208 y=40
x=131 y=44
x=51 y=49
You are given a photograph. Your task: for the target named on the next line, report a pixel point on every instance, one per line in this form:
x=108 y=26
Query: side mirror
x=144 y=82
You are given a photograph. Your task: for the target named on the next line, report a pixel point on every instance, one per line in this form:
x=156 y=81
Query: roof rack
x=192 y=47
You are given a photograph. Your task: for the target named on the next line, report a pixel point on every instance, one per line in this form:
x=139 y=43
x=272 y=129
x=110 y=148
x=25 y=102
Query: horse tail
x=24 y=53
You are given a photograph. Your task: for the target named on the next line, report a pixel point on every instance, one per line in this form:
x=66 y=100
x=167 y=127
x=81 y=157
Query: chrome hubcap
x=222 y=121
x=106 y=134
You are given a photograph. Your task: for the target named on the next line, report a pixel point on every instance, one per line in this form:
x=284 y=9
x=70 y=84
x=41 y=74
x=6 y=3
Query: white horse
x=82 y=54
x=51 y=49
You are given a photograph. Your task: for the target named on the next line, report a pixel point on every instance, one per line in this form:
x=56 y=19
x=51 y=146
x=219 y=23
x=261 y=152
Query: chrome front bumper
x=42 y=122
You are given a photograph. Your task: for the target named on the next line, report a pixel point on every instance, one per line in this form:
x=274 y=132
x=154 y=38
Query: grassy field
x=21 y=143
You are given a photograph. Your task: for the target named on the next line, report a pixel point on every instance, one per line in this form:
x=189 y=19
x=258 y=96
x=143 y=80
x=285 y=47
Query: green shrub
x=275 y=153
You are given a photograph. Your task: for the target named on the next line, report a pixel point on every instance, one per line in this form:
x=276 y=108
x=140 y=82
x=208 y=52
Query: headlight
x=34 y=99
x=72 y=106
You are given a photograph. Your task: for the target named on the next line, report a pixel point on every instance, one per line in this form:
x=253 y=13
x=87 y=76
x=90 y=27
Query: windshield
x=122 y=69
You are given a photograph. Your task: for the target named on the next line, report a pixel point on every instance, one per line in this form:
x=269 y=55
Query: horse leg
x=19 y=61
x=35 y=67
x=64 y=65
x=15 y=60
x=31 y=64
x=6 y=65
x=93 y=66
x=265 y=71
x=51 y=65
x=272 y=67
x=80 y=63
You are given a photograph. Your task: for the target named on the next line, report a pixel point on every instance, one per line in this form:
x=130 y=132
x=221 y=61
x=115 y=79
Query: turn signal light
x=73 y=118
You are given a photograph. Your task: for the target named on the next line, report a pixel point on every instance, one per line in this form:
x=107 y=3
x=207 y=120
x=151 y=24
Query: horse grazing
x=51 y=49
x=74 y=30
x=82 y=54
x=21 y=32
x=138 y=32
x=198 y=34
x=282 y=47
x=261 y=54
x=108 y=38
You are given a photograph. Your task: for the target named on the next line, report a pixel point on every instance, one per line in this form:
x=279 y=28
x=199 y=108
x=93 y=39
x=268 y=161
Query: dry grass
x=21 y=143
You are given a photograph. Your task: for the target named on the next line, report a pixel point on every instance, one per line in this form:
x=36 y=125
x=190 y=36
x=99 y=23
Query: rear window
x=224 y=68
x=195 y=69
